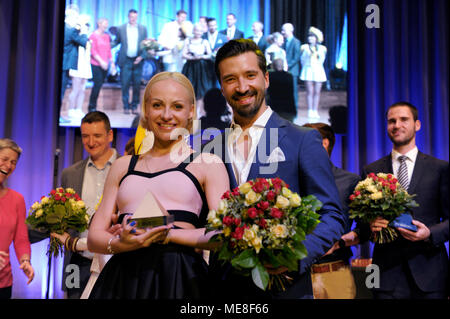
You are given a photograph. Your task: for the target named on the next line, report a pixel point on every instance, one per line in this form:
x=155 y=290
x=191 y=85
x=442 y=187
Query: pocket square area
x=277 y=155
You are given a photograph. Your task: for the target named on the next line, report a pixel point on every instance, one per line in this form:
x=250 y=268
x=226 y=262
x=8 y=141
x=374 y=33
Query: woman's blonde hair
x=177 y=77
x=9 y=143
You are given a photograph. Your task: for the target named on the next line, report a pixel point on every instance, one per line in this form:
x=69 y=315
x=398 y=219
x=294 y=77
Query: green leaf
x=300 y=251
x=246 y=259
x=260 y=276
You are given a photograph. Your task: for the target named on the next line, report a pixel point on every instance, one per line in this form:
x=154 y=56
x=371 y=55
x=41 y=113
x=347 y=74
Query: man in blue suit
x=215 y=38
x=292 y=47
x=262 y=144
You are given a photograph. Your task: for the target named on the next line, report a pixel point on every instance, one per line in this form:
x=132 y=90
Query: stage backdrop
x=406 y=58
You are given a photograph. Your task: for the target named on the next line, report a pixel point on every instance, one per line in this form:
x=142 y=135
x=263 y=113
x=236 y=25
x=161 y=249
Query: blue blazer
x=72 y=39
x=220 y=40
x=307 y=170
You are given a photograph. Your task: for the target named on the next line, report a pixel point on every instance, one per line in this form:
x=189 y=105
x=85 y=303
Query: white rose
x=39 y=213
x=45 y=200
x=377 y=195
x=245 y=188
x=282 y=202
x=279 y=231
x=295 y=200
x=286 y=192
x=35 y=206
x=80 y=204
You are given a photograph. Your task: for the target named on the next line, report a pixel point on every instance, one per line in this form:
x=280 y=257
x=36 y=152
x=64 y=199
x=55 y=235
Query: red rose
x=389 y=176
x=357 y=193
x=371 y=175
x=227 y=220
x=352 y=197
x=252 y=212
x=276 y=213
x=63 y=199
x=226 y=195
x=52 y=192
x=394 y=181
x=236 y=191
x=57 y=197
x=262 y=223
x=271 y=195
x=77 y=197
x=258 y=188
x=238 y=233
x=392 y=187
x=263 y=205
x=68 y=195
x=237 y=221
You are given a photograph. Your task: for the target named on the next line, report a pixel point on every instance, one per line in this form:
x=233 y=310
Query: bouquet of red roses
x=380 y=195
x=263 y=223
x=61 y=210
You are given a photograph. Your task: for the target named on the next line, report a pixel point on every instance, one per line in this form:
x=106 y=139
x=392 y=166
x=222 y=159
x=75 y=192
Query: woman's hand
x=3 y=257
x=132 y=238
x=62 y=238
x=378 y=224
x=27 y=270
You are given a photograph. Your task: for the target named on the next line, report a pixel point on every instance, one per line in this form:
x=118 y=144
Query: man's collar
x=113 y=157
x=411 y=155
x=261 y=121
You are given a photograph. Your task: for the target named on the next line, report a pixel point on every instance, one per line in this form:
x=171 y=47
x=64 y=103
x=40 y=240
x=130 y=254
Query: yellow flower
x=227 y=231
x=45 y=200
x=286 y=192
x=249 y=235
x=35 y=206
x=245 y=188
x=282 y=202
x=223 y=206
x=70 y=190
x=377 y=195
x=372 y=189
x=80 y=204
x=39 y=213
x=257 y=243
x=211 y=215
x=295 y=200
x=279 y=231
x=251 y=197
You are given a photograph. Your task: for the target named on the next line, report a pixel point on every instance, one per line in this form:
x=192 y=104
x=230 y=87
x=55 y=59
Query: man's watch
x=341 y=243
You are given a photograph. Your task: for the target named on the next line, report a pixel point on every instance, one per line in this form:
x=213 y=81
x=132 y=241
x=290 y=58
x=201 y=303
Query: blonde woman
x=148 y=264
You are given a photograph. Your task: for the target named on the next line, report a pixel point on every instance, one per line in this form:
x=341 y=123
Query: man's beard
x=402 y=142
x=247 y=111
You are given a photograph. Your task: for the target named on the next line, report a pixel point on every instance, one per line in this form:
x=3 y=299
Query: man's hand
x=138 y=60
x=422 y=233
x=378 y=224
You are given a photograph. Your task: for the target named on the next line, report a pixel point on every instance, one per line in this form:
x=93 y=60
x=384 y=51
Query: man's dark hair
x=181 y=11
x=208 y=20
x=327 y=133
x=132 y=11
x=97 y=116
x=237 y=47
x=412 y=108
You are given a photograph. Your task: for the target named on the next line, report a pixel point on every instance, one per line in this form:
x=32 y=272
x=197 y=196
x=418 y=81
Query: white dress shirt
x=241 y=167
x=230 y=32
x=92 y=190
x=410 y=162
x=132 y=41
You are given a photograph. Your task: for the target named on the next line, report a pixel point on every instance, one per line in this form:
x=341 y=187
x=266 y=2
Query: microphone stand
x=55 y=179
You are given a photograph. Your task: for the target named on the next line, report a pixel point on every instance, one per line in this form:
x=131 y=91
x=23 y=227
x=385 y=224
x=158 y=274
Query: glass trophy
x=151 y=213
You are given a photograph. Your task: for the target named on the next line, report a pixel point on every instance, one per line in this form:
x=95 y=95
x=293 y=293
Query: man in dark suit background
x=130 y=59
x=296 y=156
x=215 y=38
x=280 y=93
x=416 y=264
x=332 y=277
x=258 y=36
x=87 y=177
x=292 y=47
x=232 y=32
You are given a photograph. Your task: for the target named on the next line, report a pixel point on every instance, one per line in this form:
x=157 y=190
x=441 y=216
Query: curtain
x=405 y=59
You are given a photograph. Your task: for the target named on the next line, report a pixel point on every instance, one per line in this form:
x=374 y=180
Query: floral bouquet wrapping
x=380 y=195
x=61 y=210
x=262 y=224
x=149 y=44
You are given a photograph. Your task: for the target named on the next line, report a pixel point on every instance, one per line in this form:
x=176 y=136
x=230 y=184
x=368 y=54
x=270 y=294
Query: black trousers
x=98 y=77
x=6 y=293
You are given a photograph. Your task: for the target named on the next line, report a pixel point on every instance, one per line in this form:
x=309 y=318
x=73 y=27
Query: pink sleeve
x=94 y=45
x=21 y=241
